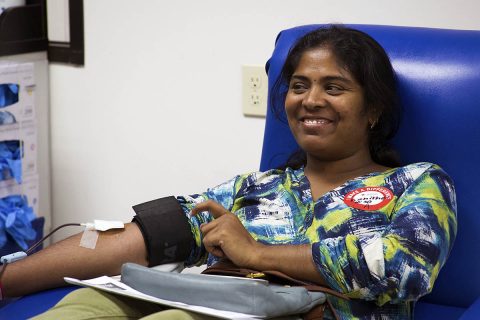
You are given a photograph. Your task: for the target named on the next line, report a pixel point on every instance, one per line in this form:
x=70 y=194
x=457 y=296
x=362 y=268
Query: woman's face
x=325 y=108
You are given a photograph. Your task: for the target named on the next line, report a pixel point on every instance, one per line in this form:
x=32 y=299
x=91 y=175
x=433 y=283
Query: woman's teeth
x=316 y=121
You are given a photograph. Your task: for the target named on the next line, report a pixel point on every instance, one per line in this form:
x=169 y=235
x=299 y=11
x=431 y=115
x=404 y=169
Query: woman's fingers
x=210 y=231
x=225 y=236
x=215 y=209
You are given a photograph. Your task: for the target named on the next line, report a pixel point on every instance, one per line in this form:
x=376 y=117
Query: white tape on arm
x=89 y=239
x=90 y=235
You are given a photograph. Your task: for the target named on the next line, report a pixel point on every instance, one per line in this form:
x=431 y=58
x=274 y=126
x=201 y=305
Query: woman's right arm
x=162 y=233
x=46 y=268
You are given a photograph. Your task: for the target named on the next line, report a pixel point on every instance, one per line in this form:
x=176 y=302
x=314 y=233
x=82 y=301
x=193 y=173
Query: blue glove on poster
x=10 y=160
x=16 y=219
x=7 y=118
x=8 y=94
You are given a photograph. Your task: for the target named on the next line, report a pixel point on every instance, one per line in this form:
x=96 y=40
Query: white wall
x=157 y=108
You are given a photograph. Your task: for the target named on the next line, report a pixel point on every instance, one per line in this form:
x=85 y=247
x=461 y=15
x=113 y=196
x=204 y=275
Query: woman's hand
x=225 y=236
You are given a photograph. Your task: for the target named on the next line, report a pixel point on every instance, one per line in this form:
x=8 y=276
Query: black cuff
x=165 y=229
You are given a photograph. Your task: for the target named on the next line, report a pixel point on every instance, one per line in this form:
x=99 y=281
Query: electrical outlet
x=254 y=80
x=254 y=90
x=255 y=99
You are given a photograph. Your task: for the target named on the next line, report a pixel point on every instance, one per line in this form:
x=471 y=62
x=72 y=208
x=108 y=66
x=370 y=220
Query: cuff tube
x=165 y=229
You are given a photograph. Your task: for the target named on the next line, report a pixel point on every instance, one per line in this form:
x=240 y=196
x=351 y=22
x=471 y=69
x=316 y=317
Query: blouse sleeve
x=402 y=261
x=224 y=194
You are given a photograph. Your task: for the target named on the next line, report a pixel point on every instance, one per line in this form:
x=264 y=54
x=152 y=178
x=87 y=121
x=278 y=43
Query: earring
x=374 y=123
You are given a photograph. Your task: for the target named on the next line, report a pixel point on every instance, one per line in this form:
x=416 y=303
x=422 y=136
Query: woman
x=342 y=208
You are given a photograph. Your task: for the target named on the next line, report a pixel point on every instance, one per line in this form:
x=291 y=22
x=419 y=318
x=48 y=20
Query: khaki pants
x=83 y=304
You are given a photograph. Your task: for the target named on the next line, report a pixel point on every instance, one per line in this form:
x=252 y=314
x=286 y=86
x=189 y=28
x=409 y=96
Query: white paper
x=112 y=285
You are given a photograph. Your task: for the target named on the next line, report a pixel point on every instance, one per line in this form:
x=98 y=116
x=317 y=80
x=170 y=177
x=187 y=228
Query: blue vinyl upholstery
x=439 y=84
x=33 y=304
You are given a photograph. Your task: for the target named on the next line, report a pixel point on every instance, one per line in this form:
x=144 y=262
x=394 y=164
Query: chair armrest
x=473 y=312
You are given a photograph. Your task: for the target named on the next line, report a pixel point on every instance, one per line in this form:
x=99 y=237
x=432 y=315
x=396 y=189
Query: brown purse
x=227 y=268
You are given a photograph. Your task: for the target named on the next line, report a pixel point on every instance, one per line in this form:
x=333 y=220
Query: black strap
x=165 y=229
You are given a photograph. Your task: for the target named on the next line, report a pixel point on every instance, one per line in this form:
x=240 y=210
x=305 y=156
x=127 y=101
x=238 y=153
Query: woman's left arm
x=225 y=237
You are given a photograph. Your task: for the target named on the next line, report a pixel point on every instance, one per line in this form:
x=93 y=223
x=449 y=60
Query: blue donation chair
x=439 y=83
x=439 y=80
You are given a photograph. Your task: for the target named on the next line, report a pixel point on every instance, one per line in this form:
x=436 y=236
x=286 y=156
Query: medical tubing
x=48 y=235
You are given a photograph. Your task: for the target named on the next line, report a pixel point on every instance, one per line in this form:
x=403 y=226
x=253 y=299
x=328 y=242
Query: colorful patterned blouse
x=381 y=238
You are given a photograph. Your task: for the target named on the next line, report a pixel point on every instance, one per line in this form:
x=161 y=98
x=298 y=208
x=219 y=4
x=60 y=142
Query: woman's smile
x=316 y=125
x=317 y=119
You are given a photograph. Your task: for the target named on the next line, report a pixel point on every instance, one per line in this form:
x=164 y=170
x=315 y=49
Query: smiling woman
x=338 y=89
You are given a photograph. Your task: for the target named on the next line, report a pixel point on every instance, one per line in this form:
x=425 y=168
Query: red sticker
x=368 y=198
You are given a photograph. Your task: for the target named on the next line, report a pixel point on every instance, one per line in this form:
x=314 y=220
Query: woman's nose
x=314 y=99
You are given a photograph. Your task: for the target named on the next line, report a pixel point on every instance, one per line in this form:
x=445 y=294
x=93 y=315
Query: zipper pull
x=256 y=275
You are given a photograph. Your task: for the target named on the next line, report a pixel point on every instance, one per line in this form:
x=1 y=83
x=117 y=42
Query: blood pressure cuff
x=165 y=229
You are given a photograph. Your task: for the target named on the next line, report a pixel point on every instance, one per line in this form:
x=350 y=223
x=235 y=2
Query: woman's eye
x=334 y=90
x=298 y=86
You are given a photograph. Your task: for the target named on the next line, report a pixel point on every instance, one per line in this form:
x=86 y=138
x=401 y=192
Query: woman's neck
x=327 y=175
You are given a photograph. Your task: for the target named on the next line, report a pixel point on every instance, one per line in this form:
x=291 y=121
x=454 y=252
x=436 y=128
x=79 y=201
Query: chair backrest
x=439 y=83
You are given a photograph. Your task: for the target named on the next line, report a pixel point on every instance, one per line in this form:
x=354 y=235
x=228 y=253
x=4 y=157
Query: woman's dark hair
x=367 y=62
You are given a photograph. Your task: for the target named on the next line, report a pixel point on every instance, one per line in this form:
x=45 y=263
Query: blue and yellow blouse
x=381 y=238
